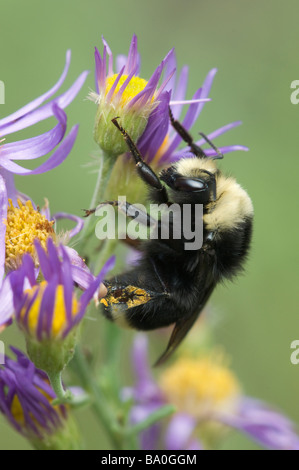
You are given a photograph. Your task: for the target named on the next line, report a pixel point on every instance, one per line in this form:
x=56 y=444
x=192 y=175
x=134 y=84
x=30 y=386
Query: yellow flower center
x=59 y=321
x=201 y=386
x=135 y=86
x=24 y=224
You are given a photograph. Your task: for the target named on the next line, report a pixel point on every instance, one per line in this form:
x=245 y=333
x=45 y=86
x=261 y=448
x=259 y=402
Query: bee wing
x=183 y=325
x=179 y=332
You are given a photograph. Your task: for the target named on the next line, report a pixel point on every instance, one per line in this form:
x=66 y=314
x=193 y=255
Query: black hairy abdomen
x=232 y=250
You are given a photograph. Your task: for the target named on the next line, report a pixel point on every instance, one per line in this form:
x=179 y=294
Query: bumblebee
x=171 y=285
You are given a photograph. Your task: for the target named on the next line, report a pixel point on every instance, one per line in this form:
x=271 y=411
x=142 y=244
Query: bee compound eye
x=183 y=183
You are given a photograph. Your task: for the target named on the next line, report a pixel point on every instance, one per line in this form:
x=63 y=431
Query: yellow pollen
x=135 y=86
x=59 y=320
x=200 y=386
x=24 y=224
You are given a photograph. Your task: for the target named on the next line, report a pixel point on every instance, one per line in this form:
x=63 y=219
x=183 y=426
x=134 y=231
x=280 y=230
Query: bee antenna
x=219 y=154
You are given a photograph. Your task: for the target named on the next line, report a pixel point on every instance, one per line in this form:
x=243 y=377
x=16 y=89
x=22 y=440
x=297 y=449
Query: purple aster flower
x=25 y=400
x=50 y=310
x=138 y=103
x=204 y=391
x=25 y=224
x=159 y=142
x=33 y=148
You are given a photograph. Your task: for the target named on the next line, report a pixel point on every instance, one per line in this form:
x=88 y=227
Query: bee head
x=192 y=180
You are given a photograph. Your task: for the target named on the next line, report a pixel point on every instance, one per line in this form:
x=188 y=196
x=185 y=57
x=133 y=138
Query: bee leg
x=144 y=170
x=129 y=210
x=189 y=140
x=186 y=136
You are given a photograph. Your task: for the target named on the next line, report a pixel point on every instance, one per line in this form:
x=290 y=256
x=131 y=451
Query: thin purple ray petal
x=110 y=55
x=164 y=84
x=55 y=160
x=132 y=56
x=170 y=65
x=213 y=135
x=112 y=89
x=67 y=282
x=38 y=101
x=38 y=146
x=98 y=69
x=46 y=311
x=180 y=91
x=126 y=82
x=6 y=302
x=46 y=111
x=179 y=432
x=12 y=193
x=3 y=217
x=74 y=218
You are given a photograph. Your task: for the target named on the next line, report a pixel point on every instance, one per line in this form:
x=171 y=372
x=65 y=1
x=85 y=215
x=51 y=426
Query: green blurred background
x=254 y=44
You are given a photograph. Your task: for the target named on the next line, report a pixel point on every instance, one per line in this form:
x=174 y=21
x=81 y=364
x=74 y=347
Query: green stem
x=107 y=165
x=156 y=416
x=62 y=395
x=100 y=406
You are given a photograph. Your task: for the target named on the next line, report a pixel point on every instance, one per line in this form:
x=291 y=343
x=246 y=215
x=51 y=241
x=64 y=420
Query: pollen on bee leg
x=130 y=296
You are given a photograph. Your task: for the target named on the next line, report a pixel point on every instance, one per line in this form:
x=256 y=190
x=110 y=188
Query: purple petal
x=220 y=131
x=146 y=390
x=46 y=312
x=164 y=84
x=266 y=426
x=180 y=91
x=29 y=269
x=36 y=147
x=112 y=89
x=141 y=98
x=12 y=193
x=185 y=153
x=55 y=160
x=156 y=129
x=79 y=222
x=89 y=293
x=205 y=90
x=121 y=61
x=179 y=432
x=82 y=277
x=38 y=101
x=199 y=100
x=3 y=217
x=67 y=281
x=98 y=71
x=170 y=66
x=44 y=261
x=187 y=123
x=132 y=56
x=46 y=110
x=110 y=55
x=54 y=261
x=6 y=302
x=126 y=82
